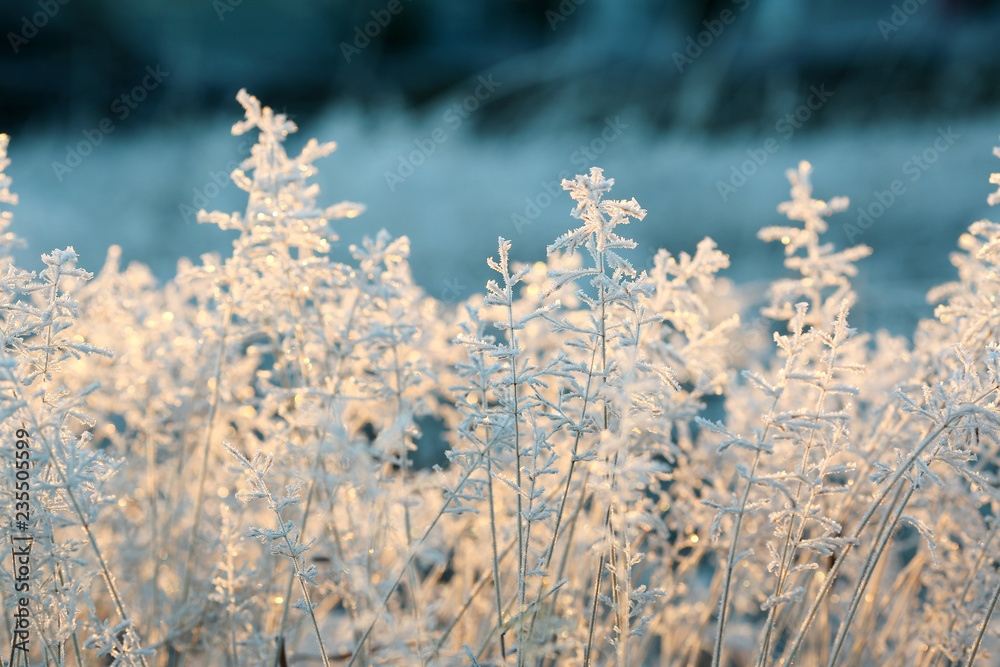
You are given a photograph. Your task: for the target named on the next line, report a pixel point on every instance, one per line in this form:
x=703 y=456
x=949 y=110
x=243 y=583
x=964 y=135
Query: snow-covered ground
x=472 y=187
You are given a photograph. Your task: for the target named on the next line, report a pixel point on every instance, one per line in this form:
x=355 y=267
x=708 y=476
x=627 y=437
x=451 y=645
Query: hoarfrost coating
x=284 y=455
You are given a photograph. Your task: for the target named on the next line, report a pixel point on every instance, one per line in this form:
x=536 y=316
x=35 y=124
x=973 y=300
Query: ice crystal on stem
x=821 y=267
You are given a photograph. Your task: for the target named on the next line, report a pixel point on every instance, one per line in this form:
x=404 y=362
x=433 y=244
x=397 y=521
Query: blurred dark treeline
x=64 y=61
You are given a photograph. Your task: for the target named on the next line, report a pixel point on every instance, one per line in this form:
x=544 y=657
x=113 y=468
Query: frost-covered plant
x=799 y=442
x=66 y=494
x=624 y=477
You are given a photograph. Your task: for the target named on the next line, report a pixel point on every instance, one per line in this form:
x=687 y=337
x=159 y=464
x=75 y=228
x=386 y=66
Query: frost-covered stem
x=231 y=606
x=885 y=533
x=593 y=612
x=493 y=534
x=299 y=338
x=731 y=557
x=53 y=295
x=969 y=579
x=567 y=547
x=906 y=586
x=49 y=655
x=787 y=555
x=205 y=449
x=982 y=626
x=730 y=560
x=623 y=593
x=92 y=540
x=338 y=378
x=411 y=574
x=496 y=561
x=602 y=334
x=791 y=544
x=291 y=579
x=571 y=528
x=414 y=550
x=295 y=301
x=76 y=640
x=521 y=546
x=308 y=600
x=624 y=597
x=868 y=463
x=67 y=487
x=527 y=537
x=295 y=561
x=468 y=603
x=350 y=603
x=572 y=463
x=213 y=409
x=890 y=484
x=317 y=463
x=565 y=496
x=154 y=539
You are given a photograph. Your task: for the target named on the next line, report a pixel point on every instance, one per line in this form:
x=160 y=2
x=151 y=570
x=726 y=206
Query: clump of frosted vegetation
x=224 y=468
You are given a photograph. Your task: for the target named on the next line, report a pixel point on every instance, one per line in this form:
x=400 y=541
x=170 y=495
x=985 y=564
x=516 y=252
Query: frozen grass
x=468 y=189
x=224 y=467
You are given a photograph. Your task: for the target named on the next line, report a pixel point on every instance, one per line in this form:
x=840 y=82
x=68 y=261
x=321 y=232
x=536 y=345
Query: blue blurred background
x=455 y=120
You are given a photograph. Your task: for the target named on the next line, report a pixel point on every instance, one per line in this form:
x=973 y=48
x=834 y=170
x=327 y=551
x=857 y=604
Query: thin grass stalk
x=295 y=560
x=152 y=490
x=790 y=544
x=588 y=650
x=974 y=649
x=206 y=443
x=410 y=558
x=603 y=336
x=886 y=532
x=906 y=589
x=213 y=409
x=497 y=585
x=935 y=652
x=562 y=504
x=337 y=376
x=468 y=602
x=411 y=574
x=65 y=485
x=731 y=558
x=521 y=546
x=889 y=485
